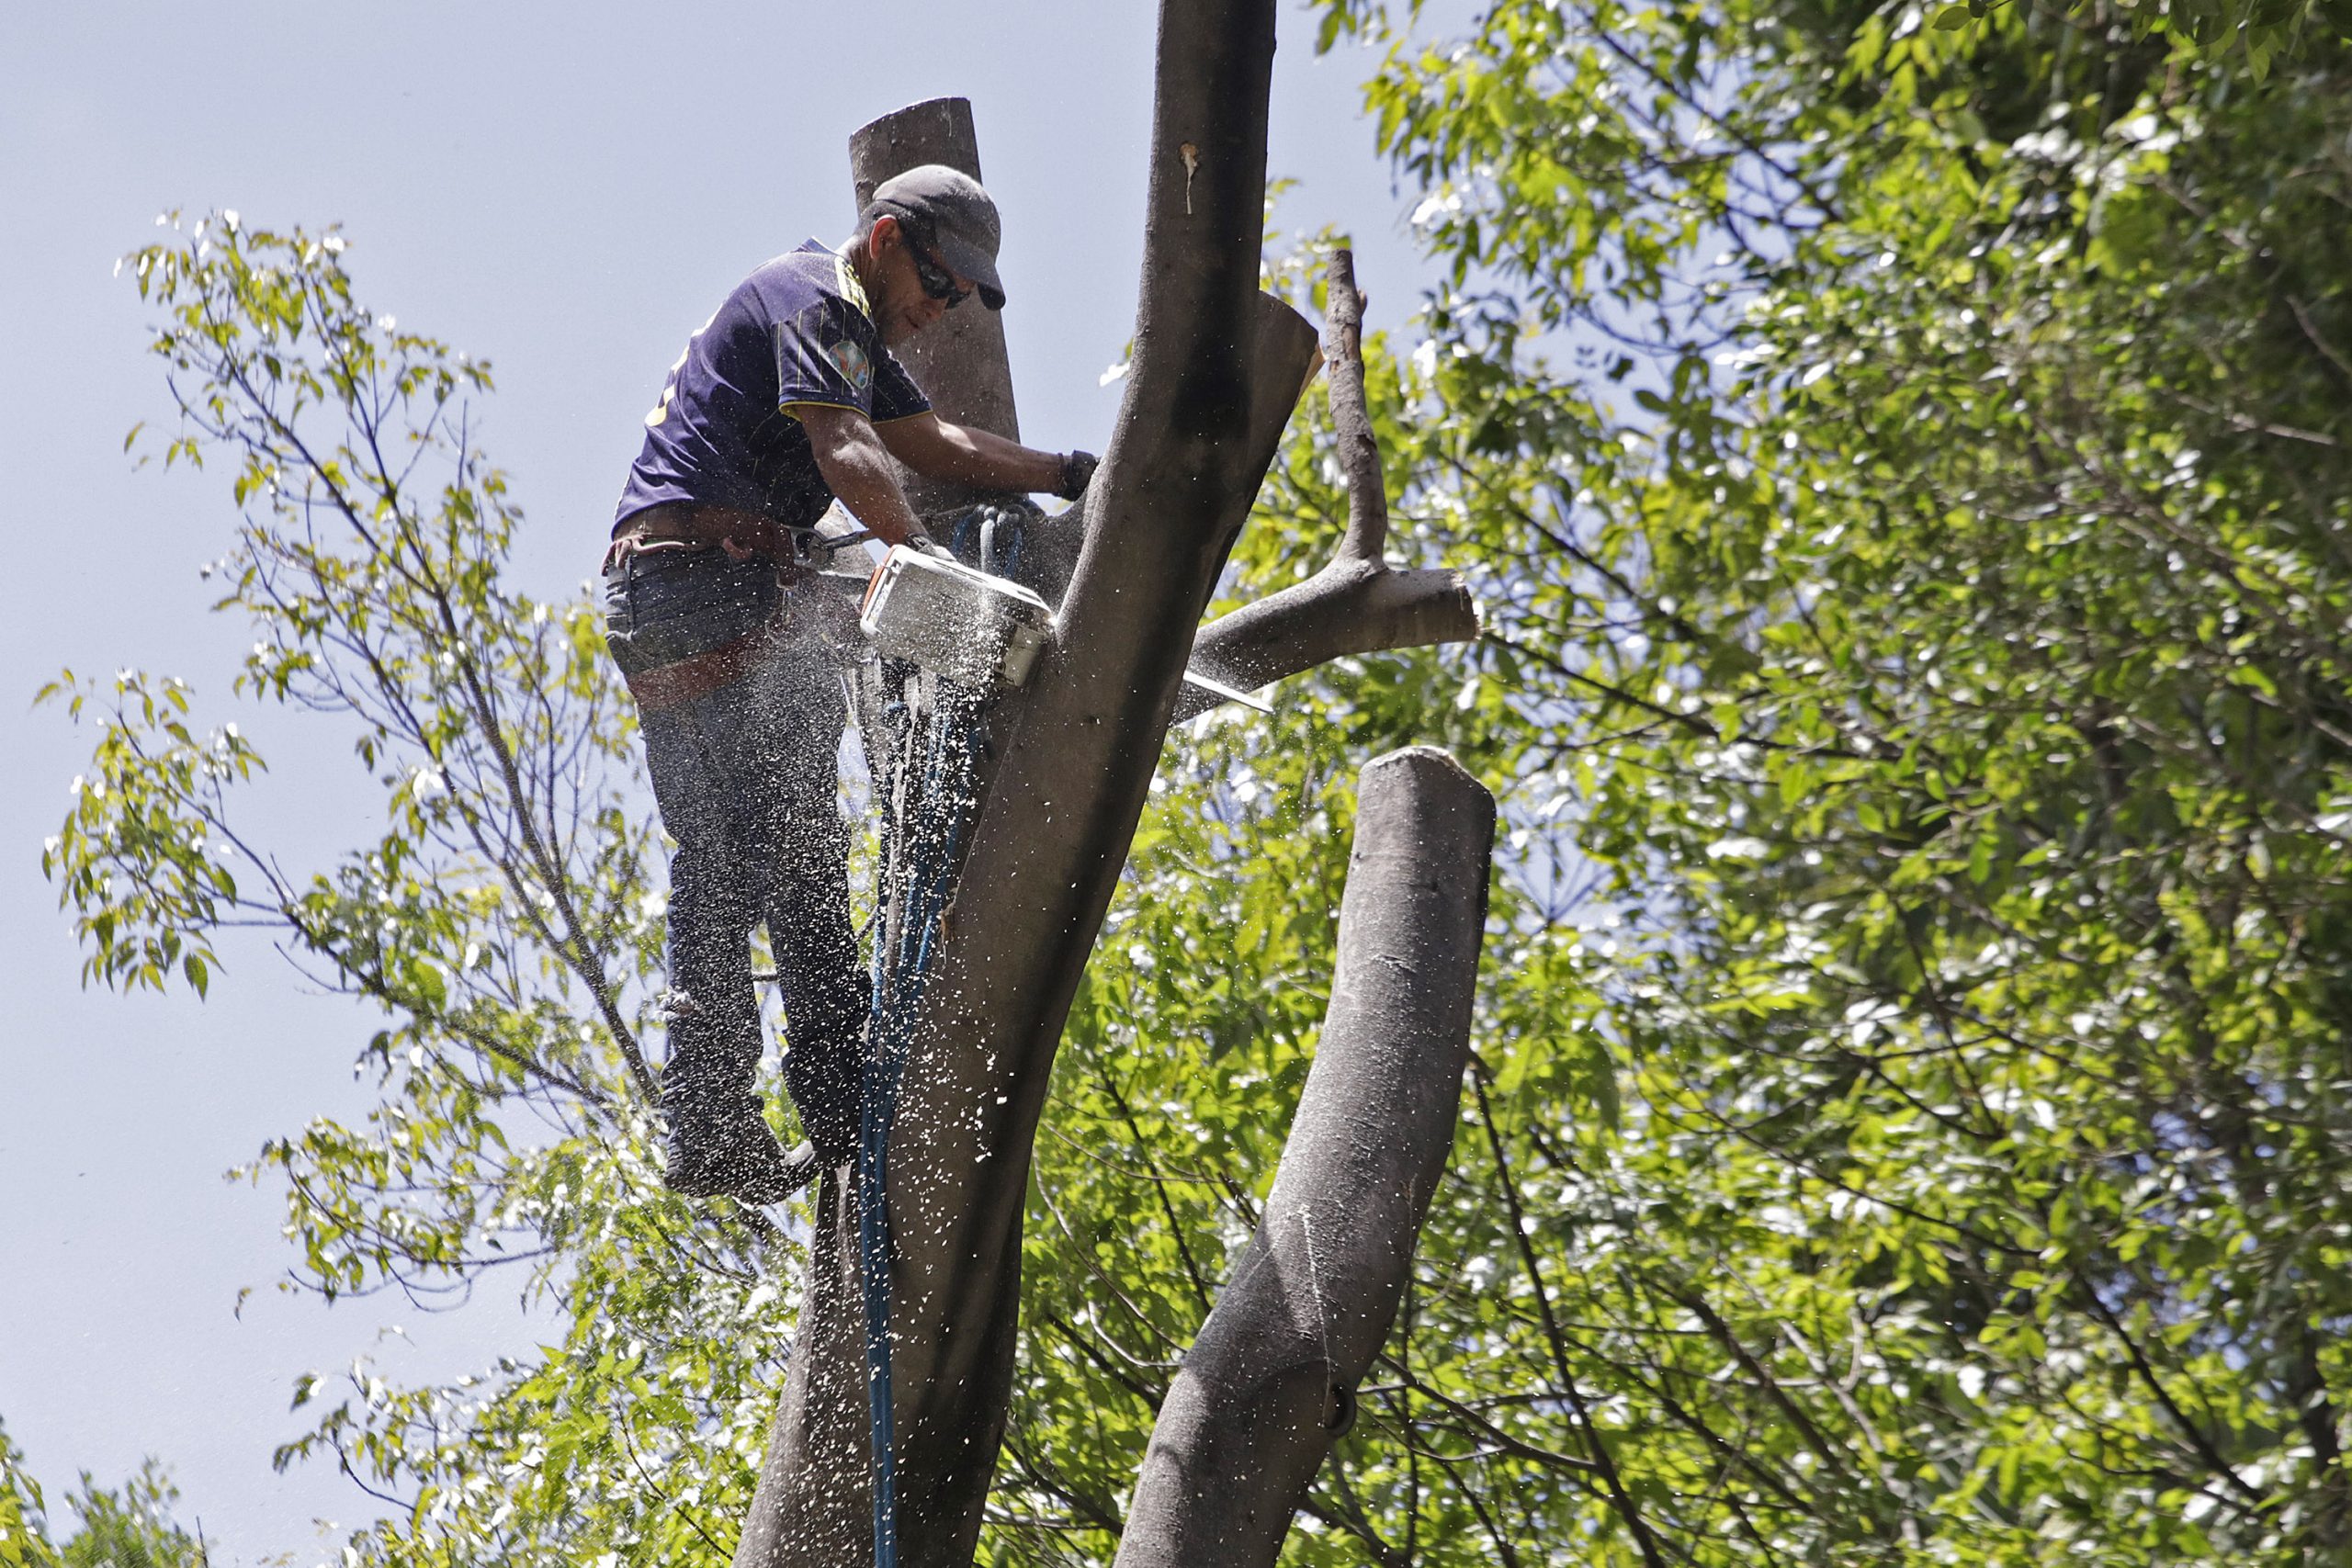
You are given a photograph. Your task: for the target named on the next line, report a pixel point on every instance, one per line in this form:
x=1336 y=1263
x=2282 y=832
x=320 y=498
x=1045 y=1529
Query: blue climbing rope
x=991 y=536
x=923 y=835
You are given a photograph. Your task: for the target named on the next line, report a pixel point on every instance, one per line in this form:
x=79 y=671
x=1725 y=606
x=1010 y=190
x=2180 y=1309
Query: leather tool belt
x=675 y=525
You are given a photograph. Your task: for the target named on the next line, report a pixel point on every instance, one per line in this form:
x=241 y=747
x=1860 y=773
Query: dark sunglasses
x=933 y=274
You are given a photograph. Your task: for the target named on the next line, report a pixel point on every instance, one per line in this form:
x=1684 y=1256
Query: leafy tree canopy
x=1906 y=468
x=1904 y=465
x=132 y=1527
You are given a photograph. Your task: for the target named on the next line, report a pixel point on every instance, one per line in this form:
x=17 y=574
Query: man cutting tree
x=786 y=400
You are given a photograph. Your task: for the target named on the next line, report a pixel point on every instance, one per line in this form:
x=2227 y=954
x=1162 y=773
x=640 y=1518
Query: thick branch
x=1350 y=607
x=1281 y=364
x=1356 y=604
x=1271 y=1383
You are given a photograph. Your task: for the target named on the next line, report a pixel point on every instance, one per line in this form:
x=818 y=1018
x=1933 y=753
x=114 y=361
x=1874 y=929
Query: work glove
x=1078 y=470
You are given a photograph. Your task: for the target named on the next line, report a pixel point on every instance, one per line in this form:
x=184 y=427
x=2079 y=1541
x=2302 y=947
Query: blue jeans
x=746 y=779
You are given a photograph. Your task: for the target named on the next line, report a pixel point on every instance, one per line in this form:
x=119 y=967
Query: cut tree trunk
x=1216 y=370
x=1271 y=1383
x=960 y=362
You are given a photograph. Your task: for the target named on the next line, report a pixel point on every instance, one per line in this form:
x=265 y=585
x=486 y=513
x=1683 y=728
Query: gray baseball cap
x=953 y=212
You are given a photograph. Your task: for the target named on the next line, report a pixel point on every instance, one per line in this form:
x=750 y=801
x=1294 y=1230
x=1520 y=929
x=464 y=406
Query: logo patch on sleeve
x=852 y=362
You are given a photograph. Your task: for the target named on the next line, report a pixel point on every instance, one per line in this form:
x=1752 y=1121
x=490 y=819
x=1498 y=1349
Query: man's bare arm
x=936 y=449
x=857 y=467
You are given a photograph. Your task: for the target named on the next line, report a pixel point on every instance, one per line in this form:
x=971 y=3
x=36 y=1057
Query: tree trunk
x=1271 y=1383
x=1216 y=370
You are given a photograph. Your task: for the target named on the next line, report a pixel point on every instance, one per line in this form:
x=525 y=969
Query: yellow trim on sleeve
x=786 y=409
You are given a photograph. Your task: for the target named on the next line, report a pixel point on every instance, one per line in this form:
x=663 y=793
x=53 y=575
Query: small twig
x=628 y=1446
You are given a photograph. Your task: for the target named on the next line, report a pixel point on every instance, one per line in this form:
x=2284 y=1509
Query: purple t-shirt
x=798 y=331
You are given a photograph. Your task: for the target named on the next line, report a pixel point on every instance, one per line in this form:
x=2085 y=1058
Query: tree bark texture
x=1217 y=368
x=1271 y=1381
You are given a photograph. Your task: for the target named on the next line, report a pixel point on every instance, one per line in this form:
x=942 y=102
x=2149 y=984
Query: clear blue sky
x=568 y=191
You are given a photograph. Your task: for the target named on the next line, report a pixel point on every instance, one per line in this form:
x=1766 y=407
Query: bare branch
x=1357 y=604
x=1367 y=535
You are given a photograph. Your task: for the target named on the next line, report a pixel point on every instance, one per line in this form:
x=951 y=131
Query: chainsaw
x=970 y=624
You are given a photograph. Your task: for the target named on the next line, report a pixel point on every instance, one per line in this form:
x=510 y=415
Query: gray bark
x=1216 y=370
x=1271 y=1381
x=1351 y=606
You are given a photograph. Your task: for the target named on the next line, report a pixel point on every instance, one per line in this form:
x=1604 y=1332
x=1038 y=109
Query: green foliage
x=23 y=1524
x=1903 y=465
x=1189 y=1041
x=1184 y=1059
x=131 y=1528
x=504 y=921
x=1904 y=469
x=1921 y=596
x=2252 y=32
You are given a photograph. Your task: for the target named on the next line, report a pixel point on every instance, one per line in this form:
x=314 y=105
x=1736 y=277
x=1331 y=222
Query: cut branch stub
x=1271 y=1383
x=1367 y=535
x=1357 y=604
